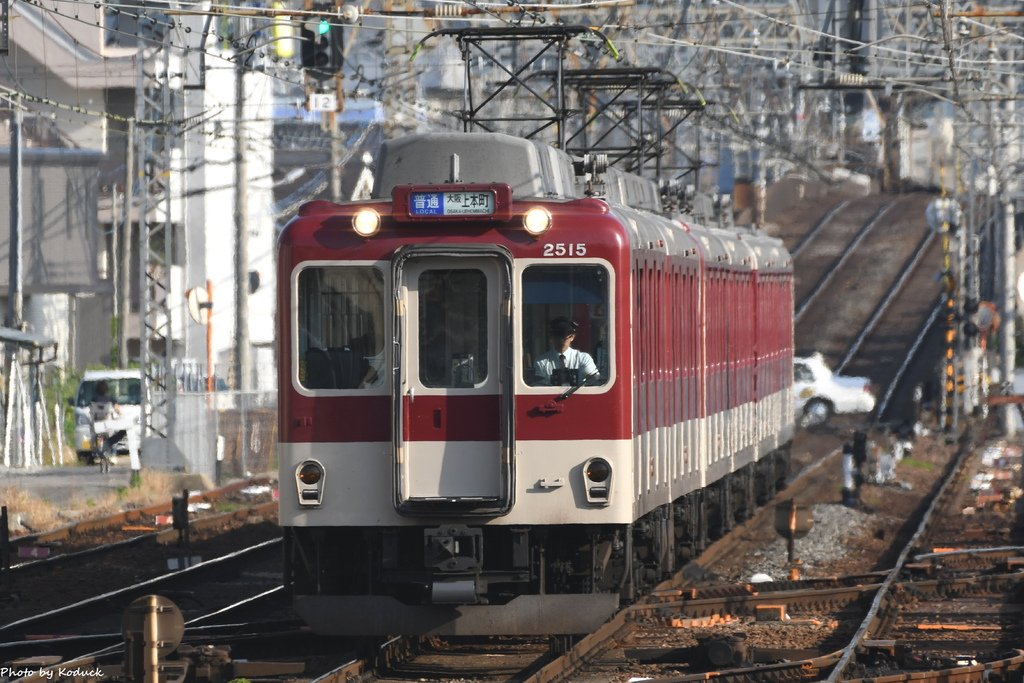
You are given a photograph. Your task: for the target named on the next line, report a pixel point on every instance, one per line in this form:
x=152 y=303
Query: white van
x=125 y=387
x=818 y=393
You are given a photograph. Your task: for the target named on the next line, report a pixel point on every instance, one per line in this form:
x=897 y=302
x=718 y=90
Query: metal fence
x=28 y=437
x=222 y=435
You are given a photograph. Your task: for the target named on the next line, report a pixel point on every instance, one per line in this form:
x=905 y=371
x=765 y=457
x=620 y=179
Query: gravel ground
x=833 y=525
x=843 y=540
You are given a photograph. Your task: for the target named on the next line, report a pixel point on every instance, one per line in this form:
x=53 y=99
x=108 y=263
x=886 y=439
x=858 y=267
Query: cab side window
x=341 y=327
x=566 y=299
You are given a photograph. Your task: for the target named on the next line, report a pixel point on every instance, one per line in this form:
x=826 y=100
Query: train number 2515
x=565 y=249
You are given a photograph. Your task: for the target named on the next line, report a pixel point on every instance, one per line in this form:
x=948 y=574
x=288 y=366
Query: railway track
x=203 y=587
x=99 y=531
x=819 y=257
x=885 y=355
x=48 y=585
x=921 y=617
x=850 y=296
x=620 y=649
x=137 y=535
x=866 y=296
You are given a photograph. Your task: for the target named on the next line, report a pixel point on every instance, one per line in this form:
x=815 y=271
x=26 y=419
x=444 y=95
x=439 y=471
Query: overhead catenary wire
x=173 y=24
x=153 y=14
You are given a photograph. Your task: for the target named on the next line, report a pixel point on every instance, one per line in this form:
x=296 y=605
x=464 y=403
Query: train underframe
x=457 y=578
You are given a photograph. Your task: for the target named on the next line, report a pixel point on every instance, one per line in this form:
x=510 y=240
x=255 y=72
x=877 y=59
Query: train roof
x=536 y=170
x=531 y=168
x=632 y=190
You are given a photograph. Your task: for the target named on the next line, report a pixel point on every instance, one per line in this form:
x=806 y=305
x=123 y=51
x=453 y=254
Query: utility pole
x=14 y=300
x=243 y=363
x=243 y=367
x=14 y=297
x=1007 y=330
x=1011 y=155
x=124 y=287
x=115 y=270
x=336 y=152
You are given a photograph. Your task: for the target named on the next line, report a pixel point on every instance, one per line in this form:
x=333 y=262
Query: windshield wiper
x=572 y=390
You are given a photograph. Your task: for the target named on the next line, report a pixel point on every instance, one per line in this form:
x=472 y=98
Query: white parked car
x=125 y=386
x=818 y=394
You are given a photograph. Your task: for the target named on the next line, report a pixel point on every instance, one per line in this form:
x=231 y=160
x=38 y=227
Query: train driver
x=564 y=364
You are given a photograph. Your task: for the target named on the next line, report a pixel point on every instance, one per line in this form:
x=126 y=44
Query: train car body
x=438 y=477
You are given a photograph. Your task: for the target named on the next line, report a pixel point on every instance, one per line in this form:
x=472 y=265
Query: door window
x=452 y=328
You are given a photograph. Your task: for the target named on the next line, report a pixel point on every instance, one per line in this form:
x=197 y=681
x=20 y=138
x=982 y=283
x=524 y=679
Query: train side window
x=341 y=327
x=555 y=296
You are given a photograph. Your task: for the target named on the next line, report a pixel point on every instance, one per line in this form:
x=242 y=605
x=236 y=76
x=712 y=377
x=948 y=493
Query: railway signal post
x=943 y=216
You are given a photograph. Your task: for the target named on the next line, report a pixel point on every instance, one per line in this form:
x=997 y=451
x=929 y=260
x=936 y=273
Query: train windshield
x=341 y=327
x=565 y=325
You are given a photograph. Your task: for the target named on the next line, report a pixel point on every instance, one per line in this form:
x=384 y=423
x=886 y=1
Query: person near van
x=103 y=408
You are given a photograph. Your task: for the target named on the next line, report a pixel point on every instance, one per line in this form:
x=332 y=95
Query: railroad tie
x=959 y=627
x=703 y=622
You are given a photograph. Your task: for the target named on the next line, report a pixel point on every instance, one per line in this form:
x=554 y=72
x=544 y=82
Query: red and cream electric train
x=438 y=476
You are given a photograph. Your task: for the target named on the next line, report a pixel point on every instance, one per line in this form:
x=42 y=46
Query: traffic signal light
x=322 y=47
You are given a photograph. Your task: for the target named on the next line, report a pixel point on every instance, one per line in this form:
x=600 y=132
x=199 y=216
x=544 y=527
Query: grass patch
x=27 y=513
x=917 y=464
x=23 y=508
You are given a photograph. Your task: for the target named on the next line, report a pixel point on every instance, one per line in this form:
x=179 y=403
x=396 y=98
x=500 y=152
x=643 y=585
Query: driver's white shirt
x=574 y=359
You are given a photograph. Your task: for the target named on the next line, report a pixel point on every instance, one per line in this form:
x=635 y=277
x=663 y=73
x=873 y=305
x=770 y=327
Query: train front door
x=453 y=400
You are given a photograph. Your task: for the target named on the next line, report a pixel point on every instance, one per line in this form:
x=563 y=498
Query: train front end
x=440 y=471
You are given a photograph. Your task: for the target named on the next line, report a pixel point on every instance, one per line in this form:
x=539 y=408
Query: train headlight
x=597 y=481
x=536 y=221
x=366 y=222
x=309 y=479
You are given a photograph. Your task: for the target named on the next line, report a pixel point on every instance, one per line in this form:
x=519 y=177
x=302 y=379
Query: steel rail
x=113 y=642
x=911 y=354
x=138 y=587
x=200 y=523
x=909 y=267
x=826 y=598
x=133 y=515
x=621 y=623
x=834 y=267
x=952 y=476
x=910 y=358
x=54 y=560
x=998 y=670
x=817 y=227
x=799 y=670
x=884 y=601
x=115 y=639
x=1001 y=552
x=747 y=604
